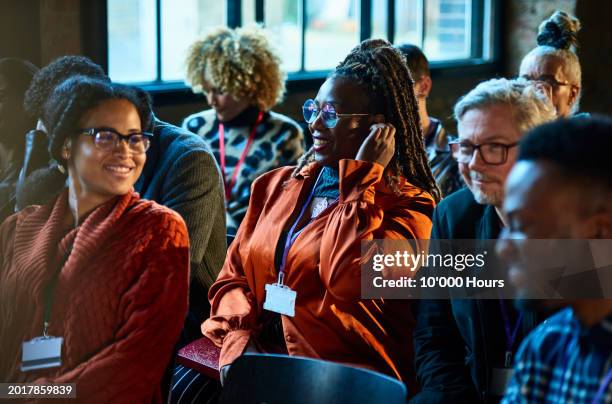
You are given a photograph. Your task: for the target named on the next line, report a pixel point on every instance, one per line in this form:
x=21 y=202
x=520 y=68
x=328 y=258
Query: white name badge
x=41 y=353
x=500 y=380
x=280 y=299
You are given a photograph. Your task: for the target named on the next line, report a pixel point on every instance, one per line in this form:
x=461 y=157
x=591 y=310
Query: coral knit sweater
x=331 y=320
x=120 y=300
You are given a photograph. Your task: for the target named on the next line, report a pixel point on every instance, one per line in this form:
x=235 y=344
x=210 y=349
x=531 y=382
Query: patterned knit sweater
x=120 y=300
x=278 y=142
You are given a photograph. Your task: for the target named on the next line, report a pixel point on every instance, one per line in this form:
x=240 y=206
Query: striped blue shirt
x=562 y=361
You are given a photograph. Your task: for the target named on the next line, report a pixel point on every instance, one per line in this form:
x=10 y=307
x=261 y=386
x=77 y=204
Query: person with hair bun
x=554 y=63
x=240 y=74
x=366 y=177
x=84 y=278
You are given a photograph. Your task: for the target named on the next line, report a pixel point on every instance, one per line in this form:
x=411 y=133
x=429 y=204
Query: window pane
x=331 y=32
x=131 y=40
x=408 y=22
x=487 y=30
x=183 y=21
x=282 y=19
x=448 y=30
x=248 y=12
x=379 y=19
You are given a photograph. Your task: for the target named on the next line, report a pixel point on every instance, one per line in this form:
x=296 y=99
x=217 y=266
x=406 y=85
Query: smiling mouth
x=320 y=144
x=119 y=170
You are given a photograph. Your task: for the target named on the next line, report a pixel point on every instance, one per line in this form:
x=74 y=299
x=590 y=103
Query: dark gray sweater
x=181 y=173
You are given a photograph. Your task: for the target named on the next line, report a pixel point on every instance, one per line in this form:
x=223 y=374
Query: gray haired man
x=463 y=348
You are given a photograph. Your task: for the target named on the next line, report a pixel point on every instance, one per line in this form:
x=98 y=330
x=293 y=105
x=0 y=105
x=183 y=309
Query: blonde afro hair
x=239 y=62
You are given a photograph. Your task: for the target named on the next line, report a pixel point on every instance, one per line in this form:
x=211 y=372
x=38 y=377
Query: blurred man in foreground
x=561 y=188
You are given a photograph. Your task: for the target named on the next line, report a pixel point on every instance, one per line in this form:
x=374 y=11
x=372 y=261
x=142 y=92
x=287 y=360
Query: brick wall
x=596 y=55
x=60 y=28
x=522 y=20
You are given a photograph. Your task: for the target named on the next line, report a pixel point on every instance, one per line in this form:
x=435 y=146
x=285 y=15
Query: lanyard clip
x=46 y=329
x=508 y=362
x=281 y=278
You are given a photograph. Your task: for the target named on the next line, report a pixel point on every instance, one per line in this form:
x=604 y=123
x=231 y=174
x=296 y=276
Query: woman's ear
x=379 y=118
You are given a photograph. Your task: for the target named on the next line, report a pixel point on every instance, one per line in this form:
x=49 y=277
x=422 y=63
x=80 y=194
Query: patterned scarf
x=328 y=185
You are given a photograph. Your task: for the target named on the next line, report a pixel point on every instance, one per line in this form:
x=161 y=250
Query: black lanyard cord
x=49 y=294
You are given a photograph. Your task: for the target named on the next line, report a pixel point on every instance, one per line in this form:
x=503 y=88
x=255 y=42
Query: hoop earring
x=66 y=149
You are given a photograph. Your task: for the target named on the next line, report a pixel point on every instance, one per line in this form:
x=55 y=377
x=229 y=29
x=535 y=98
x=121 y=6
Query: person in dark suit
x=461 y=345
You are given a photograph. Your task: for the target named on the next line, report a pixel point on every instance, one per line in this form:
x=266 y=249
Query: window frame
x=94 y=31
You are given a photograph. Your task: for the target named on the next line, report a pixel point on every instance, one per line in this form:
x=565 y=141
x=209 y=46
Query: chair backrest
x=270 y=379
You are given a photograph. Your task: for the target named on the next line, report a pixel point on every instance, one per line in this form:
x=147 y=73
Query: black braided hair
x=383 y=72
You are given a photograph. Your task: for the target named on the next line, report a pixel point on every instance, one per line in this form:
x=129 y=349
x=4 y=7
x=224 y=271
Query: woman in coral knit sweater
x=365 y=178
x=93 y=286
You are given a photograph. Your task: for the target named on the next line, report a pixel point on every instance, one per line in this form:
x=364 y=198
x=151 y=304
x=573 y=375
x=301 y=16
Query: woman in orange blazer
x=366 y=177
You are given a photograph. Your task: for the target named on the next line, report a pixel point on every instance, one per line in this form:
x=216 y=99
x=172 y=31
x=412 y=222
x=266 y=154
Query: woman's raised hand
x=379 y=145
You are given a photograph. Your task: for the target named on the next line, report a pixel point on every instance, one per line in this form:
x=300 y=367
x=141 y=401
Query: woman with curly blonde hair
x=240 y=75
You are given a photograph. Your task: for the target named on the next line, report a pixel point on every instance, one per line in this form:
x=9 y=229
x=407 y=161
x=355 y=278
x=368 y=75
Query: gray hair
x=531 y=106
x=557 y=37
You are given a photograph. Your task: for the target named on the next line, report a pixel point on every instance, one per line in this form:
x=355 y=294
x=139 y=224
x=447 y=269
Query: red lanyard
x=228 y=187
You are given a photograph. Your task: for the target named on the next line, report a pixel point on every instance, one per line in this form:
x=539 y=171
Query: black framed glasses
x=108 y=138
x=547 y=80
x=329 y=116
x=490 y=153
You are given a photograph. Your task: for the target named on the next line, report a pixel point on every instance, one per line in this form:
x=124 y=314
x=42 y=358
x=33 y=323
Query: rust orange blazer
x=331 y=321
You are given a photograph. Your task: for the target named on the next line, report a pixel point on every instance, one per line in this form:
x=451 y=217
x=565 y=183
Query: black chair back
x=270 y=379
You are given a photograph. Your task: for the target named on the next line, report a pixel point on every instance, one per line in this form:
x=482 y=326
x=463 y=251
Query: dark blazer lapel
x=490 y=224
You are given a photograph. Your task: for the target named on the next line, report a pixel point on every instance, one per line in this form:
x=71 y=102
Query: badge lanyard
x=46 y=351
x=602 y=387
x=228 y=186
x=49 y=295
x=280 y=298
x=291 y=236
x=510 y=334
